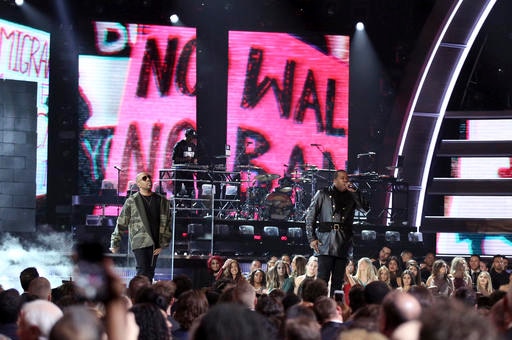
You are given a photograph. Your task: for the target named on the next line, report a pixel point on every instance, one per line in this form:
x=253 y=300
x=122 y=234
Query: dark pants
x=146 y=262
x=334 y=268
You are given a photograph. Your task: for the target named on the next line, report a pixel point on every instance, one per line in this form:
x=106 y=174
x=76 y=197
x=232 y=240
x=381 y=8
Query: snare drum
x=278 y=206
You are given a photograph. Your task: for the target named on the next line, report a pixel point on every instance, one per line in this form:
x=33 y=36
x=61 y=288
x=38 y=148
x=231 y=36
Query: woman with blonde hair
x=484 y=284
x=365 y=273
x=383 y=275
x=459 y=273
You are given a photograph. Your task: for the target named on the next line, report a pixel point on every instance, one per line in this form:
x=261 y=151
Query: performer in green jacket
x=146 y=216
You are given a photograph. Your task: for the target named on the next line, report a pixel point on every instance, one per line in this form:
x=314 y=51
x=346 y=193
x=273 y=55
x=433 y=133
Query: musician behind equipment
x=185 y=152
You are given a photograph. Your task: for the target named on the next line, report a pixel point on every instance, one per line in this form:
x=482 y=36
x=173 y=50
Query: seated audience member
x=382 y=259
x=41 y=287
x=506 y=287
x=137 y=283
x=356 y=298
x=329 y=316
x=423 y=295
x=484 y=266
x=474 y=269
x=36 y=319
x=366 y=318
x=27 y=275
x=484 y=284
x=152 y=322
x=232 y=271
x=383 y=275
x=214 y=265
x=297 y=267
x=190 y=306
x=10 y=301
x=375 y=292
x=396 y=309
x=349 y=270
x=459 y=273
x=276 y=276
x=498 y=274
x=466 y=295
x=229 y=321
x=313 y=289
x=258 y=280
x=406 y=256
x=300 y=311
x=415 y=270
x=245 y=295
x=273 y=311
x=395 y=272
x=407 y=281
x=302 y=329
x=439 y=282
x=290 y=300
x=450 y=319
x=78 y=323
x=365 y=273
x=311 y=273
x=426 y=266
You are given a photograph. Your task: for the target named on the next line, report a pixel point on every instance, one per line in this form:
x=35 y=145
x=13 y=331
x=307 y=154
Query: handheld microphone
x=118 y=168
x=316 y=144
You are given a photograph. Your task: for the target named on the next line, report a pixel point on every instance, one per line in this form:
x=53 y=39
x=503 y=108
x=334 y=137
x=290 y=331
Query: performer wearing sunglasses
x=146 y=216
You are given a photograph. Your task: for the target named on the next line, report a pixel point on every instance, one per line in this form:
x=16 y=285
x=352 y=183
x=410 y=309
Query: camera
x=90 y=277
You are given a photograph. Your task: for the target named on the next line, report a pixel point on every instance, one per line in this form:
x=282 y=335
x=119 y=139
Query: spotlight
x=174 y=18
x=359 y=26
x=19 y=2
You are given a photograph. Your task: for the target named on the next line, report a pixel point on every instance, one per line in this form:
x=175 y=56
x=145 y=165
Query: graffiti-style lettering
x=28 y=55
x=243 y=136
x=163 y=70
x=253 y=93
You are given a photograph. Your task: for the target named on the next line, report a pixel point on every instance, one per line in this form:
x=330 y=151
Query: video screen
x=287 y=103
x=480 y=206
x=25 y=56
x=137 y=97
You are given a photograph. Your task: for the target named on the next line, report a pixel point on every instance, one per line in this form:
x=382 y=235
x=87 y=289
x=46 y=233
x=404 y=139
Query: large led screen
x=287 y=102
x=137 y=85
x=480 y=206
x=25 y=55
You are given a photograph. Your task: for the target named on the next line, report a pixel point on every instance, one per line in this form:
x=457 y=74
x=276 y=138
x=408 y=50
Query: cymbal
x=266 y=177
x=249 y=167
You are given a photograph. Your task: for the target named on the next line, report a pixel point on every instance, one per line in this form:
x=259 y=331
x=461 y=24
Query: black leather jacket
x=320 y=215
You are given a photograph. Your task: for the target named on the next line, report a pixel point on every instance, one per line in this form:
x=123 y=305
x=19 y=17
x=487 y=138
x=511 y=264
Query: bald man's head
x=397 y=307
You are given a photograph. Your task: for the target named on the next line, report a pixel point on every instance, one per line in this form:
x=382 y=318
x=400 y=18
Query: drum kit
x=286 y=202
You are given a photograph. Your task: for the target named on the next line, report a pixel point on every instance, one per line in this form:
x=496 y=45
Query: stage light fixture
x=392 y=236
x=174 y=18
x=415 y=237
x=368 y=235
x=19 y=2
x=359 y=26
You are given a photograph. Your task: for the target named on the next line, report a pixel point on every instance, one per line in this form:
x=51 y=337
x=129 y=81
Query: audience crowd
x=387 y=297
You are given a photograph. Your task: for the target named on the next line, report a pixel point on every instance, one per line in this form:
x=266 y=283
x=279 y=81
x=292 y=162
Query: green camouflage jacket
x=134 y=219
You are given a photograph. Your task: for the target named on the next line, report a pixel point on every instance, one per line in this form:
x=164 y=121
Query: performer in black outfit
x=185 y=152
x=329 y=227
